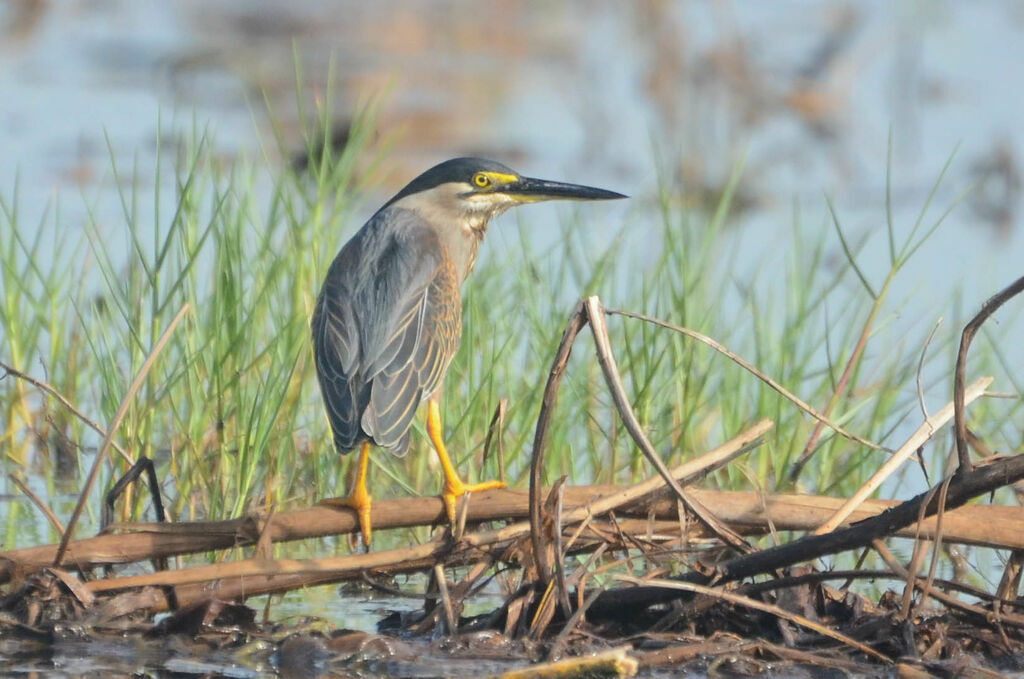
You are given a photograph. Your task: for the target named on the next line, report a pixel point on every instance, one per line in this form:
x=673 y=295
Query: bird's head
x=471 y=191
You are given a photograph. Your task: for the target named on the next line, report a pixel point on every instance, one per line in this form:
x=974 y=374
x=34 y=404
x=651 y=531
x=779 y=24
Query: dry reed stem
x=122 y=410
x=449 y=611
x=917 y=554
x=49 y=389
x=820 y=661
x=959 y=378
x=38 y=502
x=339 y=565
x=749 y=367
x=547 y=407
x=1009 y=583
x=999 y=527
x=595 y=314
x=741 y=600
x=1015 y=619
x=964 y=488
x=919 y=437
x=936 y=543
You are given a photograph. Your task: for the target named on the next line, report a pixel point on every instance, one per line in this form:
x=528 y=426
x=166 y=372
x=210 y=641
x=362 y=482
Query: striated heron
x=389 y=315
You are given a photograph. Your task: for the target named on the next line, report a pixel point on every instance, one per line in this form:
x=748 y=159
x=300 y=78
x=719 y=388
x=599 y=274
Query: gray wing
x=386 y=326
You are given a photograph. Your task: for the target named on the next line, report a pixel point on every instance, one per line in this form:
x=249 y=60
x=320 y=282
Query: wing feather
x=385 y=328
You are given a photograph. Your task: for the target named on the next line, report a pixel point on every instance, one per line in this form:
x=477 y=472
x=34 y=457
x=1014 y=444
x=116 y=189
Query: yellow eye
x=481 y=180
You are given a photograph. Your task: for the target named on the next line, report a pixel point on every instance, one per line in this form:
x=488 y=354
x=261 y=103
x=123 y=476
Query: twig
x=920 y=368
x=44 y=386
x=963 y=488
x=38 y=502
x=815 y=660
x=563 y=589
x=917 y=439
x=917 y=555
x=970 y=330
x=890 y=560
x=114 y=424
x=815 y=577
x=446 y=600
x=920 y=394
x=547 y=406
x=595 y=314
x=1009 y=583
x=936 y=543
x=741 y=600
x=576 y=324
x=142 y=466
x=570 y=626
x=743 y=363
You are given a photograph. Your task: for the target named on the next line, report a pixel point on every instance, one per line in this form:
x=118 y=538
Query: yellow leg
x=359 y=498
x=454 y=488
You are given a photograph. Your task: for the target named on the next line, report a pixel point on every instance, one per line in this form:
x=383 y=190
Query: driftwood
x=749 y=513
x=155 y=540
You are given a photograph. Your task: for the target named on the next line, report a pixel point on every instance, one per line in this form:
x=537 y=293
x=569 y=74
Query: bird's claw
x=359 y=502
x=454 y=488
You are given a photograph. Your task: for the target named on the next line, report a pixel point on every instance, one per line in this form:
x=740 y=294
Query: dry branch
x=959 y=377
x=778 y=612
x=963 y=487
x=547 y=406
x=749 y=513
x=49 y=389
x=749 y=367
x=595 y=314
x=919 y=437
x=320 y=521
x=122 y=410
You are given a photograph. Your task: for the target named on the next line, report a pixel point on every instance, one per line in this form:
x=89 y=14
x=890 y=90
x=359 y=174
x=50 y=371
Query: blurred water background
x=604 y=92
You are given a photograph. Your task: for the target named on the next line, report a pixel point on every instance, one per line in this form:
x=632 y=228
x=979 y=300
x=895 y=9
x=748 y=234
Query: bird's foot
x=359 y=502
x=454 y=488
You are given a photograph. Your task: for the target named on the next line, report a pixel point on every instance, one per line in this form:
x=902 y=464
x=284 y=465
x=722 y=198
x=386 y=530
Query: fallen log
x=749 y=513
x=158 y=540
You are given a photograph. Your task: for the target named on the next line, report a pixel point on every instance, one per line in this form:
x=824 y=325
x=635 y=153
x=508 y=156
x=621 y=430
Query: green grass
x=232 y=413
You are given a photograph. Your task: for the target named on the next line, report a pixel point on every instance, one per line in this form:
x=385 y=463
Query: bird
x=388 y=318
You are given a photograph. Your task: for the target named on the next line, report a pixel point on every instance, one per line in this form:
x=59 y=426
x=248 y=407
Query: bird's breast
x=463 y=249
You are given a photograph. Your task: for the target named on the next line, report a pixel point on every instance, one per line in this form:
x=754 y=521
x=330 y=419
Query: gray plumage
x=387 y=324
x=389 y=316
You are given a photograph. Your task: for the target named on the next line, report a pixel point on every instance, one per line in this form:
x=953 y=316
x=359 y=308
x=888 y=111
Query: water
x=810 y=92
x=573 y=90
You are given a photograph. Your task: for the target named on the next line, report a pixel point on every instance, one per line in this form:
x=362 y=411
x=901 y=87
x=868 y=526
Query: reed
x=231 y=412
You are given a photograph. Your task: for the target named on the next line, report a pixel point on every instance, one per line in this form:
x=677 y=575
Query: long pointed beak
x=529 y=190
